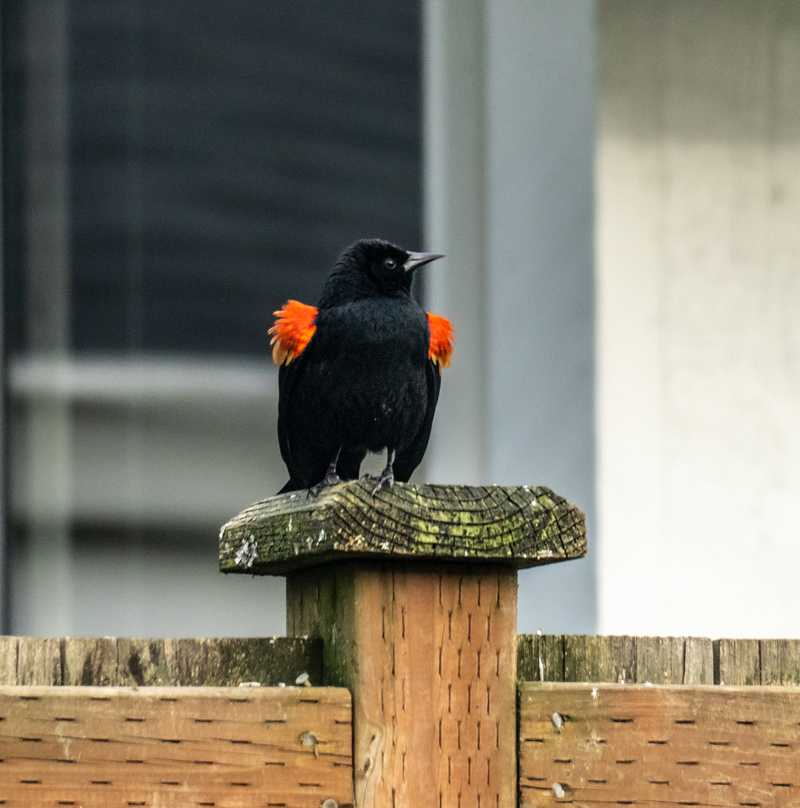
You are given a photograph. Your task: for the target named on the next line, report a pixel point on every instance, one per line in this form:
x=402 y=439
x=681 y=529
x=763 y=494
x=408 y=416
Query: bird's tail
x=292 y=485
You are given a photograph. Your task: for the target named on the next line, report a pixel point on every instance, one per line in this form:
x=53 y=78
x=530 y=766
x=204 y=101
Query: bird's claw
x=331 y=478
x=386 y=480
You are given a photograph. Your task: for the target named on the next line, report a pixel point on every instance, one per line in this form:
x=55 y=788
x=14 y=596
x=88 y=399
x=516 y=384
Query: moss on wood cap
x=521 y=526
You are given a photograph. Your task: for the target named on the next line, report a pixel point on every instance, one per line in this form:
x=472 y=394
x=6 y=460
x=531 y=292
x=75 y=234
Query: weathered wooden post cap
x=413 y=591
x=521 y=526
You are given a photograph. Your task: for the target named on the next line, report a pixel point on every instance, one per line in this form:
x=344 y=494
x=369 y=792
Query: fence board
x=89 y=662
x=698 y=665
x=8 y=660
x=226 y=747
x=38 y=661
x=599 y=659
x=110 y=661
x=580 y=658
x=780 y=662
x=540 y=657
x=620 y=744
x=738 y=662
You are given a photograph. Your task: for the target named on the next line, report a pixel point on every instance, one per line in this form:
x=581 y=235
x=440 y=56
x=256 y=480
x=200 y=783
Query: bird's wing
x=294 y=328
x=441 y=339
x=287 y=380
x=440 y=350
x=407 y=460
x=295 y=324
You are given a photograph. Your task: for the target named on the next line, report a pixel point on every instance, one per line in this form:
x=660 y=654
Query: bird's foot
x=330 y=478
x=386 y=480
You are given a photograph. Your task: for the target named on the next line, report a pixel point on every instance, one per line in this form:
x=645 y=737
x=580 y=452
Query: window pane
x=173 y=172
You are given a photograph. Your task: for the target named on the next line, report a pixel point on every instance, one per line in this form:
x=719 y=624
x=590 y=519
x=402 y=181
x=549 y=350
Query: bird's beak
x=416 y=260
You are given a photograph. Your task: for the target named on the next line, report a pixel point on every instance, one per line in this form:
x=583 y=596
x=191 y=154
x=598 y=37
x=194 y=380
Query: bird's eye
x=390 y=263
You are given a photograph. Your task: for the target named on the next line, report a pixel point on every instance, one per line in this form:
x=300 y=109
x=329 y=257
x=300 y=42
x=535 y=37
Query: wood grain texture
x=8 y=660
x=737 y=662
x=89 y=661
x=620 y=659
x=599 y=659
x=38 y=661
x=698 y=661
x=110 y=661
x=780 y=662
x=638 y=745
x=168 y=747
x=429 y=654
x=520 y=526
x=757 y=662
x=541 y=657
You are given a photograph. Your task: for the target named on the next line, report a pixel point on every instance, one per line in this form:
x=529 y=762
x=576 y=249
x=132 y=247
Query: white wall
x=698 y=331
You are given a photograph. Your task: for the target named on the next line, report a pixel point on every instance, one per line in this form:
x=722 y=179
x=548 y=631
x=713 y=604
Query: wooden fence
x=218 y=661
x=407 y=686
x=602 y=720
x=137 y=662
x=658 y=660
x=160 y=740
x=659 y=745
x=200 y=746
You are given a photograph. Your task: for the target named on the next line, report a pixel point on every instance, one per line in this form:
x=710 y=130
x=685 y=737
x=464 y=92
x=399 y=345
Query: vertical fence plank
x=737 y=662
x=235 y=660
x=527 y=651
x=8 y=660
x=110 y=661
x=90 y=661
x=540 y=658
x=39 y=661
x=147 y=662
x=599 y=659
x=620 y=659
x=698 y=656
x=659 y=660
x=550 y=658
x=780 y=662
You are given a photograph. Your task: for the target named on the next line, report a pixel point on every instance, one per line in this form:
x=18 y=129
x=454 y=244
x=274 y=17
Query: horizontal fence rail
x=666 y=746
x=110 y=661
x=668 y=721
x=169 y=747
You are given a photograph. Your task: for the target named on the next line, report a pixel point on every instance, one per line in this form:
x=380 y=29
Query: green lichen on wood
x=132 y=661
x=224 y=662
x=268 y=661
x=520 y=525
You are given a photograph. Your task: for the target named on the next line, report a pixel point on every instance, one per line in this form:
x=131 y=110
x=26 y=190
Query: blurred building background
x=172 y=173
x=616 y=184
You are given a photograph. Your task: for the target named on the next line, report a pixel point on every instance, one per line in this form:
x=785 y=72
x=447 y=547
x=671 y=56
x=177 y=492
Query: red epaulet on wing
x=440 y=348
x=294 y=326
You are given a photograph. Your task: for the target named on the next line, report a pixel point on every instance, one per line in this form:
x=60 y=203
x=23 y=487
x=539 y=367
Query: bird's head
x=373 y=267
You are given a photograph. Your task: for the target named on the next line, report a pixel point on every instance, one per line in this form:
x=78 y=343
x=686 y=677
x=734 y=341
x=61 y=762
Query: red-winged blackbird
x=360 y=371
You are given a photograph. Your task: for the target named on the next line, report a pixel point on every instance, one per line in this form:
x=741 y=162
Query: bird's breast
x=375 y=331
x=372 y=363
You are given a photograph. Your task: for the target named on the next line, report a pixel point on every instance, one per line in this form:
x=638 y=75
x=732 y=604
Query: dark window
x=173 y=171
x=218 y=157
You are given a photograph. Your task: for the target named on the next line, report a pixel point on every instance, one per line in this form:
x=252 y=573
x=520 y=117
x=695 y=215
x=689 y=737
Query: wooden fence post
x=414 y=594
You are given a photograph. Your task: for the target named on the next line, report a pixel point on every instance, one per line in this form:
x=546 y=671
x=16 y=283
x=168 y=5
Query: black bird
x=360 y=371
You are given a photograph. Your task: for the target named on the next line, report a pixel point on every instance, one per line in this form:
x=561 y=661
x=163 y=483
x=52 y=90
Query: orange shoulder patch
x=294 y=327
x=440 y=348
